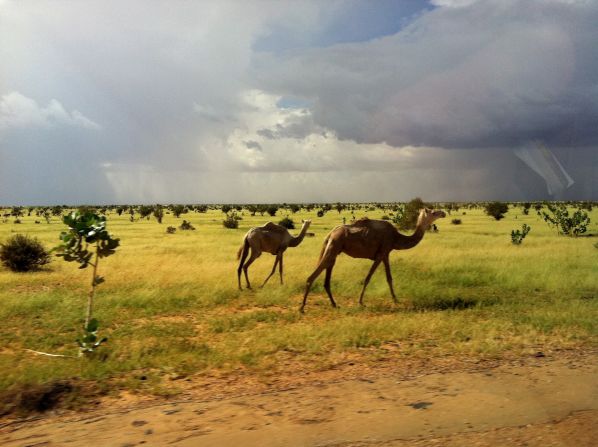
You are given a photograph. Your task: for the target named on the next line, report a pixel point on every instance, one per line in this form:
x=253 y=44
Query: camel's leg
x=367 y=279
x=389 y=279
x=242 y=261
x=277 y=260
x=327 y=284
x=254 y=255
x=310 y=281
x=280 y=267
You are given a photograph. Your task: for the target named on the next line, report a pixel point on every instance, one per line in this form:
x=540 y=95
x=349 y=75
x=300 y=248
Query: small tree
x=85 y=242
x=570 y=225
x=497 y=209
x=272 y=209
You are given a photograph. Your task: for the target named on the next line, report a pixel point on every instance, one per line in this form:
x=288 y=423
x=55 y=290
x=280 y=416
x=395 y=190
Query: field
x=171 y=308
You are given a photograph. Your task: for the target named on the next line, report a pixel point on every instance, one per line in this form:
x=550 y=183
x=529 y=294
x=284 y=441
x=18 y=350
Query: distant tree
x=158 y=213
x=496 y=209
x=177 y=210
x=145 y=211
x=226 y=208
x=287 y=223
x=408 y=219
x=272 y=209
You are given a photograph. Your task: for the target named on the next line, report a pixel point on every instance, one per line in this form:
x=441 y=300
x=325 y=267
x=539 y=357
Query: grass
x=170 y=303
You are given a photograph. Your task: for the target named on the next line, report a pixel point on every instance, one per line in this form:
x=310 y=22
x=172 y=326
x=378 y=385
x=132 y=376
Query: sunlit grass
x=170 y=303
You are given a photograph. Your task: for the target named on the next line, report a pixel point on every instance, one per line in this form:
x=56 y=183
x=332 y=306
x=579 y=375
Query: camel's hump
x=270 y=226
x=371 y=224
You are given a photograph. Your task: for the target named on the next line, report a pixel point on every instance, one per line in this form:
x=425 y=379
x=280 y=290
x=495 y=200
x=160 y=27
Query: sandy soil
x=540 y=402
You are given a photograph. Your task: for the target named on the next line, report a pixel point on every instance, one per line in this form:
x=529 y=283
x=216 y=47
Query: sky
x=105 y=102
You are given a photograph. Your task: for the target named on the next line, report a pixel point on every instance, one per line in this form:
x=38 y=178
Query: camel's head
x=428 y=216
x=306 y=223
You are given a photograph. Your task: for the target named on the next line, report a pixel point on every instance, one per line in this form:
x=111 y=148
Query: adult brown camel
x=367 y=239
x=271 y=238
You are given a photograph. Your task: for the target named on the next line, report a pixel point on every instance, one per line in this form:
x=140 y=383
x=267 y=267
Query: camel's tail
x=324 y=245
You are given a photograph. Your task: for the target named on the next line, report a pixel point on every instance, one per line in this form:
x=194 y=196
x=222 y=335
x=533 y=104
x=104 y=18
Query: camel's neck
x=403 y=242
x=297 y=239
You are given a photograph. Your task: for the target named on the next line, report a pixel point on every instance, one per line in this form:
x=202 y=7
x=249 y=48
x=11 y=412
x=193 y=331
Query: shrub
x=171 y=230
x=456 y=222
x=186 y=226
x=231 y=221
x=22 y=253
x=320 y=213
x=287 y=223
x=518 y=236
x=497 y=209
x=272 y=209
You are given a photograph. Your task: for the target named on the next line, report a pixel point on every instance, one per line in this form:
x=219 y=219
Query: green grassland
x=170 y=303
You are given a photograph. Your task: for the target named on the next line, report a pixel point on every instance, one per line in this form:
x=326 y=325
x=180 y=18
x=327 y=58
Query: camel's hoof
x=301 y=310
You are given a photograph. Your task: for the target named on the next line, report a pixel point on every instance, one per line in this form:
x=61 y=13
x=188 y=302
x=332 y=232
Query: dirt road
x=548 y=402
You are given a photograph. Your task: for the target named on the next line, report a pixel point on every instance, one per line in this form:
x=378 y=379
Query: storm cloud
x=291 y=101
x=490 y=74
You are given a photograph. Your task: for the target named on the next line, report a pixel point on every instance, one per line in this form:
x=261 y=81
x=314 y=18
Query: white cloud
x=19 y=111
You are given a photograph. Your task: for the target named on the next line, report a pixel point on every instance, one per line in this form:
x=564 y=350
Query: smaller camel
x=367 y=239
x=271 y=238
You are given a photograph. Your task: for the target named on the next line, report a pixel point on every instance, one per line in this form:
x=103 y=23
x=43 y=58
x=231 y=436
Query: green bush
x=456 y=222
x=186 y=226
x=287 y=223
x=231 y=221
x=22 y=253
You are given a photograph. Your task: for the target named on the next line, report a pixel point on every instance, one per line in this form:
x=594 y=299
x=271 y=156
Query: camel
x=271 y=238
x=367 y=239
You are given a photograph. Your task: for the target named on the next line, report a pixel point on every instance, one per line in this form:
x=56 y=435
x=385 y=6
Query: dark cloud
x=491 y=74
x=253 y=145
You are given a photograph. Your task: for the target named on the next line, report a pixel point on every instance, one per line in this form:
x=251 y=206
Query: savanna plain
x=179 y=327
